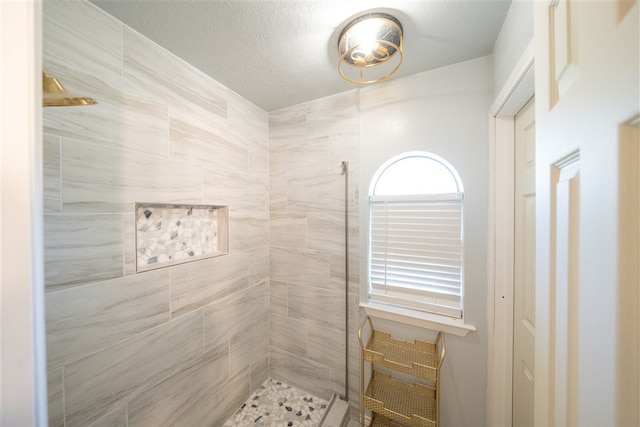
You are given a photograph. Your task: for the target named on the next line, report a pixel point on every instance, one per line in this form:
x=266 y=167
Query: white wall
x=516 y=33
x=444 y=112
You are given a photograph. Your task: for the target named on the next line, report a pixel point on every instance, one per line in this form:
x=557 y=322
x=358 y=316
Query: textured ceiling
x=281 y=53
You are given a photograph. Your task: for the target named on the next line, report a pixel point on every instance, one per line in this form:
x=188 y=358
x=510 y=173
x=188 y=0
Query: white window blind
x=416 y=252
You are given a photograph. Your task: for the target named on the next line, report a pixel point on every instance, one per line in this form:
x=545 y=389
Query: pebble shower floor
x=276 y=404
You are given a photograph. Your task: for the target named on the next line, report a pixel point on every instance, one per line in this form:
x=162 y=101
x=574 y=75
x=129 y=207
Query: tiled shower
x=187 y=344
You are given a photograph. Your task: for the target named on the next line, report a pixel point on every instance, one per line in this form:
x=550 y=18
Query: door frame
x=515 y=93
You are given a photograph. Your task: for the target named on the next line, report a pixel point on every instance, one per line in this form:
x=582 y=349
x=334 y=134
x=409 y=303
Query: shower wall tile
x=120 y=120
x=288 y=334
x=326 y=308
x=98 y=51
x=234 y=315
x=288 y=230
x=301 y=372
x=303 y=267
x=338 y=272
x=55 y=400
x=334 y=115
x=299 y=158
x=129 y=244
x=241 y=192
x=51 y=147
x=113 y=418
x=316 y=193
x=326 y=346
x=151 y=70
x=259 y=370
x=259 y=266
x=98 y=383
x=248 y=230
x=278 y=298
x=186 y=398
x=288 y=123
x=242 y=347
x=122 y=178
x=196 y=144
x=229 y=397
x=326 y=231
x=277 y=194
x=196 y=284
x=86 y=319
x=248 y=120
x=82 y=249
x=346 y=147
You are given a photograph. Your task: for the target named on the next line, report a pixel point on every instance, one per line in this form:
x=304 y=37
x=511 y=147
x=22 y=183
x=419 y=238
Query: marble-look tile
x=81 y=249
x=98 y=383
x=287 y=123
x=51 y=147
x=259 y=369
x=326 y=346
x=248 y=119
x=55 y=397
x=186 y=398
x=229 y=398
x=122 y=178
x=334 y=115
x=259 y=265
x=299 y=157
x=317 y=306
x=316 y=193
x=192 y=142
x=119 y=120
x=325 y=231
x=248 y=230
x=301 y=372
x=303 y=267
x=78 y=35
x=129 y=244
x=288 y=334
x=117 y=417
x=85 y=319
x=346 y=148
x=258 y=160
x=278 y=297
x=234 y=314
x=338 y=272
x=248 y=347
x=288 y=230
x=277 y=194
x=241 y=192
x=199 y=283
x=152 y=71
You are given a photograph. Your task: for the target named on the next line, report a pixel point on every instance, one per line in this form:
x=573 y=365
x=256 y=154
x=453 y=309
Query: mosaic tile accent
x=173 y=234
x=276 y=404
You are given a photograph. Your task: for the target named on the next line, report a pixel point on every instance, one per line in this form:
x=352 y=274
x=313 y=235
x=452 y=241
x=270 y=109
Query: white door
x=587 y=107
x=524 y=266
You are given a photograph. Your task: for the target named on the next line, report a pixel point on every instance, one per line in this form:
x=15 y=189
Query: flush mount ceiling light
x=55 y=95
x=370 y=48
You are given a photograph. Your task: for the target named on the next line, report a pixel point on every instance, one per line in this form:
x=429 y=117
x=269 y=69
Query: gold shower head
x=55 y=95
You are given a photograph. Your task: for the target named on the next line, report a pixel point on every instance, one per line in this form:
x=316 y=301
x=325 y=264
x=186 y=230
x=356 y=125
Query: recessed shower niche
x=169 y=234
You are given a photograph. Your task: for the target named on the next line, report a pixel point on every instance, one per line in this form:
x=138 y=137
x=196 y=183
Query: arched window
x=416 y=235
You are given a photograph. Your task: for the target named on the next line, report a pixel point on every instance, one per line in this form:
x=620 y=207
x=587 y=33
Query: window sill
x=423 y=320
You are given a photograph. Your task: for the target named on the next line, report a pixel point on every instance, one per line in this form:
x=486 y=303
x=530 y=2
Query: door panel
x=524 y=267
x=587 y=87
